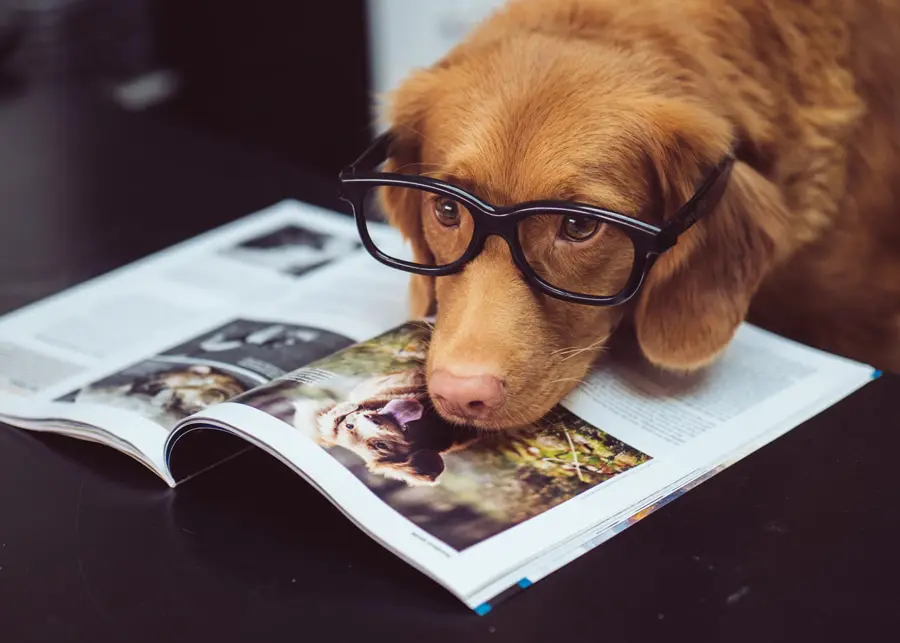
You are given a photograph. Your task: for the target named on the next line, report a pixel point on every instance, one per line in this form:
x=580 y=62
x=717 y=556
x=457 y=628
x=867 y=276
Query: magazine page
x=693 y=426
x=521 y=578
x=136 y=351
x=478 y=511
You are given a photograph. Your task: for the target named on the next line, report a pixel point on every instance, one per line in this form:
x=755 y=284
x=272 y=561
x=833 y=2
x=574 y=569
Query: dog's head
x=382 y=438
x=533 y=116
x=189 y=389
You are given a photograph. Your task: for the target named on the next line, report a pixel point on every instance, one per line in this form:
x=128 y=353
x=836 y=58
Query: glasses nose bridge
x=506 y=228
x=498 y=226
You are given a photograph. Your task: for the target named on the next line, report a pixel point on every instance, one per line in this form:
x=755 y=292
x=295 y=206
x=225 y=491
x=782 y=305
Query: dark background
x=286 y=77
x=290 y=76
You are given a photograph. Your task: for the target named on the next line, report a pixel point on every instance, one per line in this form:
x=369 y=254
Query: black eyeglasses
x=572 y=251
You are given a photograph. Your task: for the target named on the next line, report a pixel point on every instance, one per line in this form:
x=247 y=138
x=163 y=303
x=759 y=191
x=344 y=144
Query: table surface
x=796 y=542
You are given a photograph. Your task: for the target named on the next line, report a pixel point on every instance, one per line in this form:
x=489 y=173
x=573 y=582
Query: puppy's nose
x=473 y=397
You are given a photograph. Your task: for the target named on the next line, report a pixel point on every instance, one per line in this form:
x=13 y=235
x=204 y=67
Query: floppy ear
x=421 y=468
x=403 y=211
x=427 y=465
x=404 y=410
x=699 y=292
x=401 y=207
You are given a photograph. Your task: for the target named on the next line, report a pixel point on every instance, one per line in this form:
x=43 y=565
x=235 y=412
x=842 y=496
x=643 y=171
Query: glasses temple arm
x=704 y=200
x=374 y=156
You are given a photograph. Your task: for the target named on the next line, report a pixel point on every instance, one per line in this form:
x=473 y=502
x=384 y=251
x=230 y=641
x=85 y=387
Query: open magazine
x=280 y=331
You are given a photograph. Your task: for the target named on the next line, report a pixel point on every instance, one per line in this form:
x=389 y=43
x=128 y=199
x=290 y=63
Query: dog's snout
x=471 y=397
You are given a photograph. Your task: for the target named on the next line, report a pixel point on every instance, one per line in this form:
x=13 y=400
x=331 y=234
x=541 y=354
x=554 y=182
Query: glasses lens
x=580 y=254
x=446 y=224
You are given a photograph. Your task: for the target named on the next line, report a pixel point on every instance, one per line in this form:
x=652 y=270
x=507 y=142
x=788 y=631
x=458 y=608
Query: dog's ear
x=421 y=468
x=404 y=410
x=402 y=208
x=699 y=292
x=427 y=464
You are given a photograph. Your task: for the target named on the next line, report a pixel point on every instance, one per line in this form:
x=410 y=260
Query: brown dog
x=627 y=105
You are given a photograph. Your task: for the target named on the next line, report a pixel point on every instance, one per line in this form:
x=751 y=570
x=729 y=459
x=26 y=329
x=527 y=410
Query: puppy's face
x=369 y=434
x=192 y=389
x=531 y=117
x=384 y=446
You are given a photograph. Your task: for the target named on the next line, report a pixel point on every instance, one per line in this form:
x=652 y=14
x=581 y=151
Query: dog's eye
x=447 y=211
x=380 y=445
x=349 y=426
x=575 y=228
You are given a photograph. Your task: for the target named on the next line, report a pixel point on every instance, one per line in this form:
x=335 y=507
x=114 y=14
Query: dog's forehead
x=513 y=149
x=505 y=161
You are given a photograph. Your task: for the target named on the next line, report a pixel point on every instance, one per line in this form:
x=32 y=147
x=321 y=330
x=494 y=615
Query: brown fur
x=626 y=105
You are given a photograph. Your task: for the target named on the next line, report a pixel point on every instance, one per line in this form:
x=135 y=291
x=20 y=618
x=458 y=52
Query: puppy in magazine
x=387 y=421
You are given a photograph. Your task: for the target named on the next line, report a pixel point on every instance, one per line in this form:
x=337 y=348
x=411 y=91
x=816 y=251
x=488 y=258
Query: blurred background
x=292 y=78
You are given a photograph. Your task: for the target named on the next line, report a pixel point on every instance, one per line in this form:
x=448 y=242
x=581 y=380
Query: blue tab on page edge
x=483 y=609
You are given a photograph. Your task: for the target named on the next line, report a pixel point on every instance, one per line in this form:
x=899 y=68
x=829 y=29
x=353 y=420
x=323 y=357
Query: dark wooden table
x=798 y=542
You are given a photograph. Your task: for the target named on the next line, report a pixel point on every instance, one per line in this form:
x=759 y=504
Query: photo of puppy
x=367 y=407
x=627 y=106
x=211 y=368
x=381 y=422
x=165 y=390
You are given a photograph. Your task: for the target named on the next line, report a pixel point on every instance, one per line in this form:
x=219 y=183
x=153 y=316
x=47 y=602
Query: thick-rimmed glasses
x=572 y=251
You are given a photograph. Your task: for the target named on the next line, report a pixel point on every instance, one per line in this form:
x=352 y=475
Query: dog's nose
x=472 y=397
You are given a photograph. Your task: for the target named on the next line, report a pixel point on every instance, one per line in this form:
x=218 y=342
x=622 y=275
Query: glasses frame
x=649 y=241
